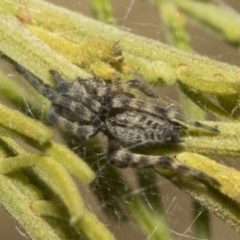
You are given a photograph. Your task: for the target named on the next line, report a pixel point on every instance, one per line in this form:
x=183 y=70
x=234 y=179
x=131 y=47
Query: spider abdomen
x=133 y=128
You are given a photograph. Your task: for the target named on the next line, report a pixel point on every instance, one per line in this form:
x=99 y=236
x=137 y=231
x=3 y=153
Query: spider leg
x=177 y=118
x=121 y=87
x=76 y=91
x=83 y=131
x=122 y=158
x=100 y=88
x=123 y=101
x=76 y=108
x=43 y=88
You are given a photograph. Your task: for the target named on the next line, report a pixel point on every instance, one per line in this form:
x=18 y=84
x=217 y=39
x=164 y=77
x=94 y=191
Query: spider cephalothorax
x=86 y=107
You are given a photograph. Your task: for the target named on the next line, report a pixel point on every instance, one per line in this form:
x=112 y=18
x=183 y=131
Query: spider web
x=142 y=18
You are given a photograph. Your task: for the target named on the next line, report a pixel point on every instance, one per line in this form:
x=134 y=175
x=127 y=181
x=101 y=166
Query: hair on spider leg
x=86 y=107
x=176 y=117
x=141 y=83
x=203 y=177
x=124 y=158
x=181 y=168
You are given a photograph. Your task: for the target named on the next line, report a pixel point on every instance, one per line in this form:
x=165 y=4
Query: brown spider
x=86 y=107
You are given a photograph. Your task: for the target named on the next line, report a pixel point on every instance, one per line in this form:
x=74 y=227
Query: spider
x=88 y=106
